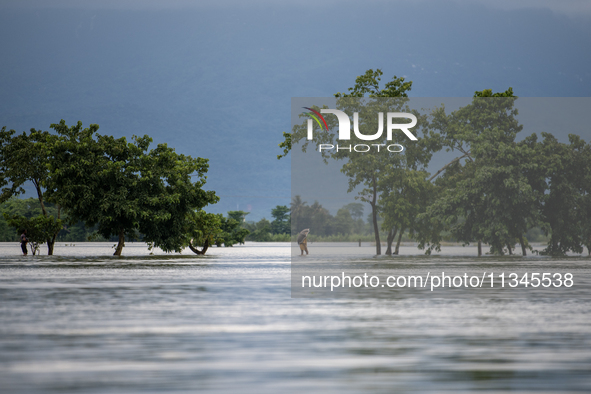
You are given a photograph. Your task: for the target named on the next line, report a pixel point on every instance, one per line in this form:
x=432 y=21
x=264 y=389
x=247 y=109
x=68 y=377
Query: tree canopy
x=505 y=187
x=494 y=191
x=365 y=171
x=124 y=187
x=25 y=158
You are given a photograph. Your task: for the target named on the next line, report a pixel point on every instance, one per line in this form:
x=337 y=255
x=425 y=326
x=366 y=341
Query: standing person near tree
x=24 y=241
x=303 y=240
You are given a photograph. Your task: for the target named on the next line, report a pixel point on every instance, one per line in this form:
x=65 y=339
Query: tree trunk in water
x=479 y=248
x=197 y=251
x=522 y=243
x=374 y=216
x=50 y=242
x=376 y=231
x=391 y=236
x=398 y=243
x=121 y=244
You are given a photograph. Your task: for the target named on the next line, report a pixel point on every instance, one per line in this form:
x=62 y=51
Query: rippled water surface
x=86 y=322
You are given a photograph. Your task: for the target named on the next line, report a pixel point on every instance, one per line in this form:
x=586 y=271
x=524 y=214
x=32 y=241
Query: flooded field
x=84 y=321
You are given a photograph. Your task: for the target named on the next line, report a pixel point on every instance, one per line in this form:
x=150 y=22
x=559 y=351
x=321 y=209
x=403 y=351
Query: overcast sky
x=568 y=7
x=217 y=80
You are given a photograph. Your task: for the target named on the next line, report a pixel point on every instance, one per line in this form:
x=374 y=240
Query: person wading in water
x=303 y=240
x=24 y=241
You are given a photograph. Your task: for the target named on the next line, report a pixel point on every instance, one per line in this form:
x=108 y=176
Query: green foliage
x=368 y=85
x=405 y=194
x=489 y=93
x=488 y=198
x=505 y=188
x=124 y=187
x=280 y=238
x=280 y=213
x=302 y=216
x=355 y=209
x=203 y=230
x=321 y=223
x=343 y=223
x=563 y=182
x=24 y=158
x=260 y=231
x=365 y=85
x=30 y=208
x=207 y=229
x=282 y=221
x=232 y=231
x=364 y=170
x=238 y=216
x=285 y=145
x=39 y=228
x=21 y=211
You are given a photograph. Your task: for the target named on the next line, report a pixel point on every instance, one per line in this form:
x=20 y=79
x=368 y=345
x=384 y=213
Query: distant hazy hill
x=217 y=82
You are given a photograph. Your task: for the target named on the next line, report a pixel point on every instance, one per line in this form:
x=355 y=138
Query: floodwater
x=87 y=322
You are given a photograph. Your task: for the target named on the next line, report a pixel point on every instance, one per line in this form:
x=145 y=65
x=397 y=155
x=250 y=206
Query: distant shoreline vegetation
x=346 y=226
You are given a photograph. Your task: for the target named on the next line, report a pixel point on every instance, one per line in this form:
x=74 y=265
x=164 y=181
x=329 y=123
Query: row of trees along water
x=346 y=225
x=116 y=188
x=494 y=192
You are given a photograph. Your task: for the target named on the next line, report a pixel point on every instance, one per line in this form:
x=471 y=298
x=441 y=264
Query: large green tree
x=489 y=197
x=125 y=187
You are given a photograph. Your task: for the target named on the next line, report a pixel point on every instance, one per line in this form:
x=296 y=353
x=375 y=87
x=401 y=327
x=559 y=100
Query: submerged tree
x=505 y=187
x=405 y=194
x=203 y=230
x=564 y=187
x=487 y=198
x=124 y=187
x=39 y=228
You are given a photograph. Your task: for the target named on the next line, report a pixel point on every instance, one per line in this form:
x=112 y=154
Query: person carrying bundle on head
x=303 y=240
